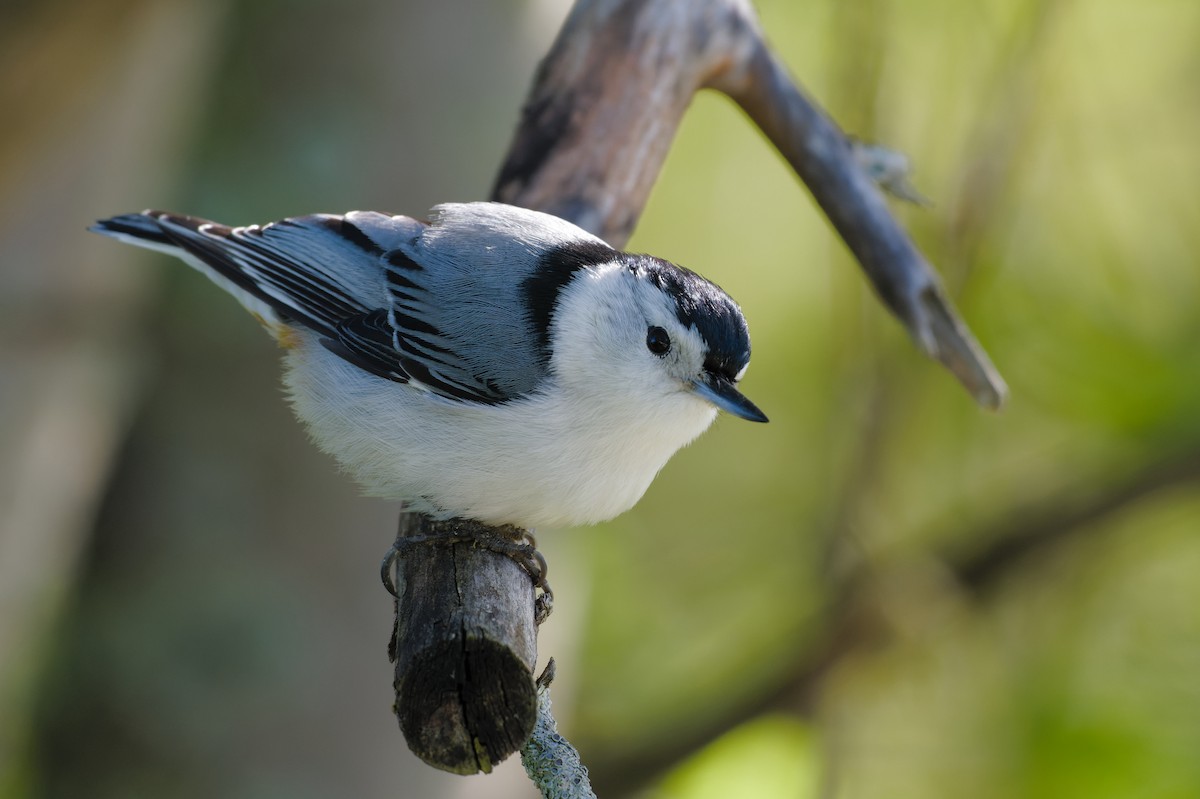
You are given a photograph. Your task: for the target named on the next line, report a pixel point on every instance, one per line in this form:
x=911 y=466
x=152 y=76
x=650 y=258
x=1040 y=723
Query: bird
x=488 y=362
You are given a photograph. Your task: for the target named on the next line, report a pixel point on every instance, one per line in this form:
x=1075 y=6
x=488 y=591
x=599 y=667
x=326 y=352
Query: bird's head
x=655 y=332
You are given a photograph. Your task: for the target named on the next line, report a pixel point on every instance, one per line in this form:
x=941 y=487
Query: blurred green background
x=884 y=593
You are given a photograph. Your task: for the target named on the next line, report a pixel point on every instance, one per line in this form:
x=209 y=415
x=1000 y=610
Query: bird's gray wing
x=472 y=297
x=411 y=352
x=421 y=318
x=460 y=306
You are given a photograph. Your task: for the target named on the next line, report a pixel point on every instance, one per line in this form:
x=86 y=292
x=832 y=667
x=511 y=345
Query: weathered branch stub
x=464 y=645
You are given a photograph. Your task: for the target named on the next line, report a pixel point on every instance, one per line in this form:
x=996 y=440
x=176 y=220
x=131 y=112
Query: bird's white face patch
x=600 y=331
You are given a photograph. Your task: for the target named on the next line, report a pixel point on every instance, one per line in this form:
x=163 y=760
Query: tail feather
x=279 y=276
x=142 y=229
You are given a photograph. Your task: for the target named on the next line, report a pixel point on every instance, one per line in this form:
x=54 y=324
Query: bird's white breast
x=548 y=459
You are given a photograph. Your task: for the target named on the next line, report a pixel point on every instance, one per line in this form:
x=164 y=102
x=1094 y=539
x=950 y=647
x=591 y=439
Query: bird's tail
x=284 y=273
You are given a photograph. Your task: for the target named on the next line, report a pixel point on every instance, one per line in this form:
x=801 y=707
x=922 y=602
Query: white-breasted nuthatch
x=493 y=363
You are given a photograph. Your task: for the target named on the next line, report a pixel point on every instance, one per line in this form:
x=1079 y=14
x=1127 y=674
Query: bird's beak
x=721 y=391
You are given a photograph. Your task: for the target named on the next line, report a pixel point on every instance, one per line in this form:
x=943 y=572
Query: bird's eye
x=657 y=341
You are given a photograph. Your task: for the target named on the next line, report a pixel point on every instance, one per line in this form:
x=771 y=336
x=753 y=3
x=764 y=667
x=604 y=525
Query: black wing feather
x=367 y=341
x=399 y=343
x=371 y=343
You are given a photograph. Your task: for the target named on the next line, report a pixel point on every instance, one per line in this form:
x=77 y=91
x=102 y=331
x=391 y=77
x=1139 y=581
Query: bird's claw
x=520 y=548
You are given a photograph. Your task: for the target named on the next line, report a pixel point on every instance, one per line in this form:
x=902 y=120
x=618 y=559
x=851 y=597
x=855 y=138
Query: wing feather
x=442 y=305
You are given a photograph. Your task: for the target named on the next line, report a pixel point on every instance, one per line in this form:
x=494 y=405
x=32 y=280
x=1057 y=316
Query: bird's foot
x=513 y=542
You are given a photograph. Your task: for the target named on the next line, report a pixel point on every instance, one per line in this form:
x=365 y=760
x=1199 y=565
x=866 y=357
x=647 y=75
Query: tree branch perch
x=464 y=644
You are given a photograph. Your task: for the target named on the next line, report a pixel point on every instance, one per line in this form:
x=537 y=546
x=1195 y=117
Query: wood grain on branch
x=464 y=645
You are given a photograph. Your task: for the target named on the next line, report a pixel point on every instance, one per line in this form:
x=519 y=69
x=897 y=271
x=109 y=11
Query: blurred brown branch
x=72 y=365
x=1068 y=514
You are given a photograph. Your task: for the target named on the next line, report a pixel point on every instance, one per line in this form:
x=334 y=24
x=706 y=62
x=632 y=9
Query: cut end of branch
x=465 y=645
x=468 y=704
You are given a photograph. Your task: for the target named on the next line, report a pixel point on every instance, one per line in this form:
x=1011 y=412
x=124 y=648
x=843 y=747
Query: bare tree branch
x=606 y=103
x=825 y=159
x=609 y=97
